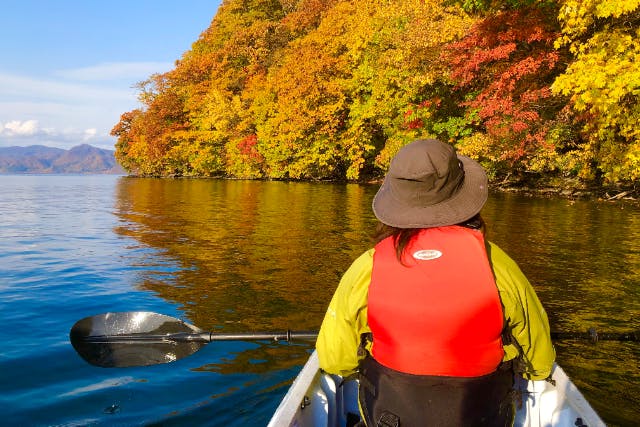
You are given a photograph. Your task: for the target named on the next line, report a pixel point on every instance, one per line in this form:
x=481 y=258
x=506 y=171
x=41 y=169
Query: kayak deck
x=319 y=399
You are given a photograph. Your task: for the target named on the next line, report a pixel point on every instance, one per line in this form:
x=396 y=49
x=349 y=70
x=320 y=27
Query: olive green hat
x=429 y=185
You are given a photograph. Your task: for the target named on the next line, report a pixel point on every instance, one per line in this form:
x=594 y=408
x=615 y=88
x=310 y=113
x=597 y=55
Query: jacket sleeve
x=525 y=318
x=346 y=319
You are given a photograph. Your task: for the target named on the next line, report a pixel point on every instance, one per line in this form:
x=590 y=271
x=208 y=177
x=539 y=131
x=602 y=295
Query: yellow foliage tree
x=396 y=67
x=603 y=83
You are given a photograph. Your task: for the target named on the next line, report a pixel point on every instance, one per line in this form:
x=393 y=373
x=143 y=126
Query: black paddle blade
x=115 y=340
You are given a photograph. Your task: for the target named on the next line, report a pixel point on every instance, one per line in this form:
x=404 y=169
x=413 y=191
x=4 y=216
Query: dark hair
x=402 y=236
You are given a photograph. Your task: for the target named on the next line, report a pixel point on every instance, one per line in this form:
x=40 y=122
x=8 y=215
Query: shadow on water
x=243 y=256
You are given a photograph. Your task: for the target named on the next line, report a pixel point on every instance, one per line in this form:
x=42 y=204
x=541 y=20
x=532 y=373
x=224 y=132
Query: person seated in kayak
x=435 y=319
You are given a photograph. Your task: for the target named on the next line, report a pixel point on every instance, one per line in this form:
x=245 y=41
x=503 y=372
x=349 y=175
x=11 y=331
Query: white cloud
x=17 y=128
x=62 y=113
x=70 y=107
x=132 y=71
x=29 y=132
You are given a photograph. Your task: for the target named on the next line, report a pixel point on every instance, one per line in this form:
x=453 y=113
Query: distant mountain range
x=83 y=159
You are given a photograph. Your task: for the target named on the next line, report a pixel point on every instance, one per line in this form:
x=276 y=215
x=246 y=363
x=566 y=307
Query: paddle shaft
x=204 y=337
x=595 y=336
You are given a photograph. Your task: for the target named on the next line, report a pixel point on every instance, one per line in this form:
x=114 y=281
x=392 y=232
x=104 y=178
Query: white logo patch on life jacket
x=427 y=254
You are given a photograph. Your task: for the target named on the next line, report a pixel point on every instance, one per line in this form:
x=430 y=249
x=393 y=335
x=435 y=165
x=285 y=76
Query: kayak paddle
x=142 y=338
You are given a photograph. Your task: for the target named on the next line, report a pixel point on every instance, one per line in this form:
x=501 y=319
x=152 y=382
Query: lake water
x=238 y=256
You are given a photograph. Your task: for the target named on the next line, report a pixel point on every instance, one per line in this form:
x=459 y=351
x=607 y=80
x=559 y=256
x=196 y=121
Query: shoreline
x=569 y=189
x=631 y=197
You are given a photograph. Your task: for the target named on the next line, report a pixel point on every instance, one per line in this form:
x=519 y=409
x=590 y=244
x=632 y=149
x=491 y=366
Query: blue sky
x=68 y=67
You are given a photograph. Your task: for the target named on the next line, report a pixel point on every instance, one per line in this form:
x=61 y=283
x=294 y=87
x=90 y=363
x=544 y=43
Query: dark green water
x=239 y=256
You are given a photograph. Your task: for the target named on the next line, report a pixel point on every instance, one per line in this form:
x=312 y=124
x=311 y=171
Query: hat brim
x=465 y=204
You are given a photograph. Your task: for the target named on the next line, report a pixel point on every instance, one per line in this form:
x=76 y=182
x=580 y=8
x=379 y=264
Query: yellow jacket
x=346 y=318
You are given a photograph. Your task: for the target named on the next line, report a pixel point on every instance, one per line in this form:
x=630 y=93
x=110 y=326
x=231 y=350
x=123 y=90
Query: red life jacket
x=440 y=312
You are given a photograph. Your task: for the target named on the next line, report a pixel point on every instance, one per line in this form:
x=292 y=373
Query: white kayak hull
x=314 y=399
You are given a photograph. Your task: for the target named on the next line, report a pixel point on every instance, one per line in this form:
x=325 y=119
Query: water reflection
x=582 y=256
x=249 y=256
x=262 y=359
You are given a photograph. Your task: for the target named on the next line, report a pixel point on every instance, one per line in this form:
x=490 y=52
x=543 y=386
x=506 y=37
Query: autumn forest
x=331 y=89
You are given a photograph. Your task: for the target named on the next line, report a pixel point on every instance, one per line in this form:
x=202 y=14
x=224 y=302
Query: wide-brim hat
x=429 y=185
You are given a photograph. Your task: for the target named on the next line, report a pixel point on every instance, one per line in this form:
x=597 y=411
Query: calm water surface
x=239 y=256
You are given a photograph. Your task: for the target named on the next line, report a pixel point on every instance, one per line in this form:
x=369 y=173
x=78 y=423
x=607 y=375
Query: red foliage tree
x=504 y=68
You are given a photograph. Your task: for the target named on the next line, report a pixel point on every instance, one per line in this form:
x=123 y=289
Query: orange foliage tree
x=331 y=89
x=293 y=89
x=146 y=136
